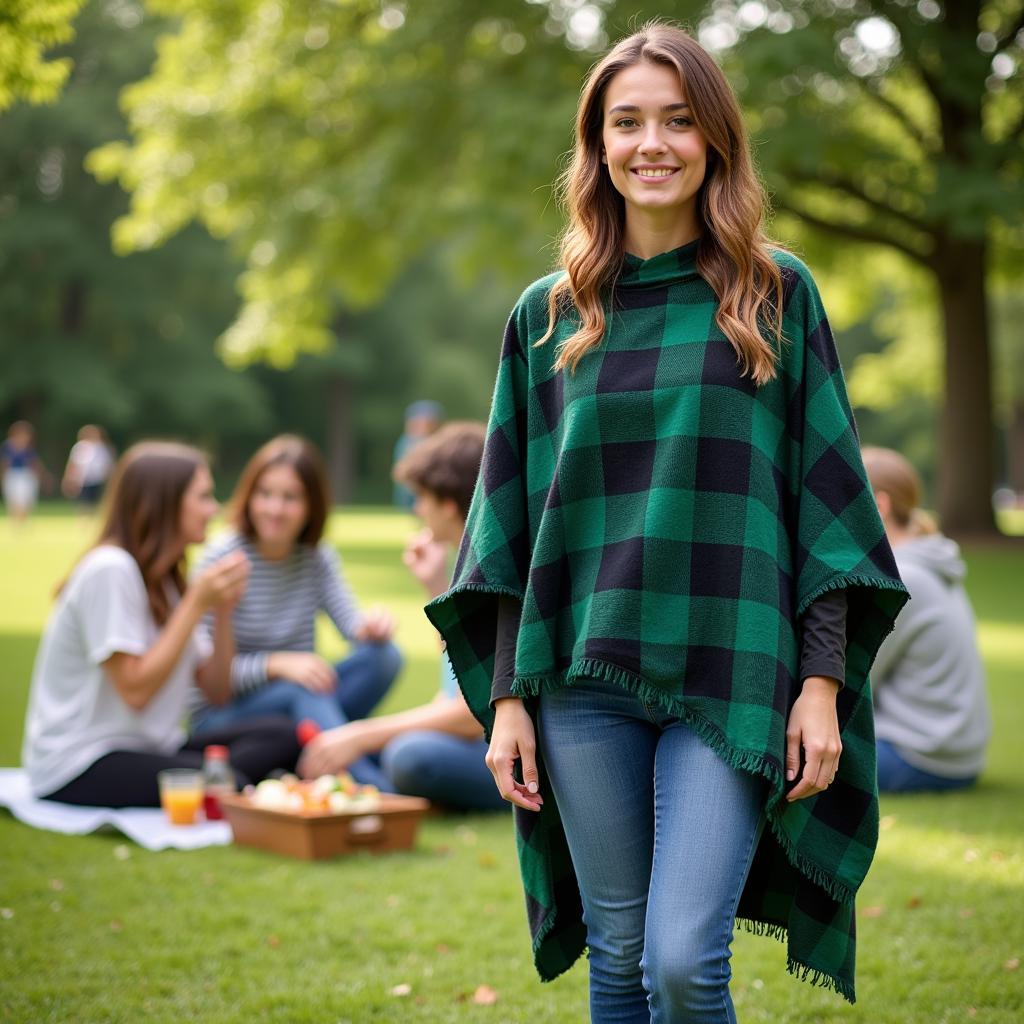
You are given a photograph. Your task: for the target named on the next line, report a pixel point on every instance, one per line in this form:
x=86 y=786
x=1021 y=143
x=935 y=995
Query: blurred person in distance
x=932 y=720
x=421 y=420
x=112 y=675
x=22 y=470
x=89 y=464
x=436 y=750
x=278 y=514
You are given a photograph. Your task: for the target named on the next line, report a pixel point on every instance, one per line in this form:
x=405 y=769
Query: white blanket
x=146 y=826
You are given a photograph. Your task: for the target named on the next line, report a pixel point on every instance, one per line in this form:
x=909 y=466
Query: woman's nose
x=652 y=141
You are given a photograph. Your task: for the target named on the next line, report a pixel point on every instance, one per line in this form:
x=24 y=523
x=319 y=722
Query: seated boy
x=435 y=750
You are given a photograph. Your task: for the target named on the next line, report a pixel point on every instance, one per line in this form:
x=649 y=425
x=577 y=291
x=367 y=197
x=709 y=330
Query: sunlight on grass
x=235 y=935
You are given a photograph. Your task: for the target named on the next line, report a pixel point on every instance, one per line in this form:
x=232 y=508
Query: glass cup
x=181 y=794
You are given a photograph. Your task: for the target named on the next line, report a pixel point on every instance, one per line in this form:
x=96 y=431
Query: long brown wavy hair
x=733 y=255
x=143 y=515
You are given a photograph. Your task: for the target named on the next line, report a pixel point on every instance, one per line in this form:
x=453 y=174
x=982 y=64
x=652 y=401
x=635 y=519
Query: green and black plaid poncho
x=665 y=523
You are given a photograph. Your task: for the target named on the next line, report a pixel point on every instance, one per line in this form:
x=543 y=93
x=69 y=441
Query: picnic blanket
x=146 y=826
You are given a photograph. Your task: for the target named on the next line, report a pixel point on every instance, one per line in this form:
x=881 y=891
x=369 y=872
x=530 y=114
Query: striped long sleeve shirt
x=278 y=609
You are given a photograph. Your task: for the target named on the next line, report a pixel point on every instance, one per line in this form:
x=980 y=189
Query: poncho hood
x=665 y=523
x=672 y=267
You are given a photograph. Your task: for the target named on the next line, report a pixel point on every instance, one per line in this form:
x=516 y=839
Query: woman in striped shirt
x=278 y=513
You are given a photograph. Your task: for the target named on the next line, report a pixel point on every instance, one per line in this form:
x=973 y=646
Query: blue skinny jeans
x=363 y=678
x=662 y=833
x=895 y=775
x=446 y=769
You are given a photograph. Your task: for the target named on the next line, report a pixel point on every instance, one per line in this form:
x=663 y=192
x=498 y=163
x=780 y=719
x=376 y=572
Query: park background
x=220 y=219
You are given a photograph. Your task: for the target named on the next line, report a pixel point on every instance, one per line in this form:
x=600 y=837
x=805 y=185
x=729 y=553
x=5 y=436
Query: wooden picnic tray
x=316 y=835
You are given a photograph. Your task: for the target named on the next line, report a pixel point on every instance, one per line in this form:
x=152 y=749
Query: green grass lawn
x=95 y=929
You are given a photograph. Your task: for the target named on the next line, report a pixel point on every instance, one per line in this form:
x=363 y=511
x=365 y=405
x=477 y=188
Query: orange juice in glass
x=181 y=794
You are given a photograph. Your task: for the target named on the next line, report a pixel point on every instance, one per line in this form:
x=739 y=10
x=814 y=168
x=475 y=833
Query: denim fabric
x=897 y=776
x=446 y=769
x=364 y=677
x=662 y=832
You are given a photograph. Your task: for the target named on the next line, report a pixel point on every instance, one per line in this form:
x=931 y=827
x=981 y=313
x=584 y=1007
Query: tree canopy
x=27 y=30
x=336 y=146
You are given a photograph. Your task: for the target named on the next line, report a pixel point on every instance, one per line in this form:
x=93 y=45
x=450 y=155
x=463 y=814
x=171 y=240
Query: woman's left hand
x=814 y=727
x=378 y=626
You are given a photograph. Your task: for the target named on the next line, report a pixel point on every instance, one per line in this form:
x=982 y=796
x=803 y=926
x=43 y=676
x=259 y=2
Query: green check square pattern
x=665 y=523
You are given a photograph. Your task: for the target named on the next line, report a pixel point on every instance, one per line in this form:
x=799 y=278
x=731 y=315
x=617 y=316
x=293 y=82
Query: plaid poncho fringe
x=665 y=523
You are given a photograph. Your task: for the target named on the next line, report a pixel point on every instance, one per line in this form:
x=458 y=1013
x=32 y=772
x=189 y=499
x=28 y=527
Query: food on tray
x=327 y=793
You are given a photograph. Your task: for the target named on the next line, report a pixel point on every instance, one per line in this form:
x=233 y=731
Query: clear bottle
x=218 y=779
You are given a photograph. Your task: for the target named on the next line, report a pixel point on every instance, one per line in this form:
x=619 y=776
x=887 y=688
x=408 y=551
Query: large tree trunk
x=966 y=437
x=340 y=440
x=1015 y=448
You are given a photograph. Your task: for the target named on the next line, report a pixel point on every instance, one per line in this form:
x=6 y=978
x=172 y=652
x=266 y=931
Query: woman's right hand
x=222 y=584
x=303 y=667
x=513 y=739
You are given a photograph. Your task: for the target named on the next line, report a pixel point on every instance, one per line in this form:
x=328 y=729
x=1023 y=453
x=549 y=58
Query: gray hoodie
x=928 y=679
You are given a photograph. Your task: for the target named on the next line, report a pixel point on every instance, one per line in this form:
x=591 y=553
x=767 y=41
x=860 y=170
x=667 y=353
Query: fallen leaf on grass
x=6 y=913
x=966 y=912
x=913 y=903
x=485 y=996
x=56 y=884
x=487 y=859
x=273 y=941
x=970 y=855
x=442 y=947
x=116 y=926
x=1012 y=965
x=886 y=822
x=121 y=852
x=972 y=1011
x=872 y=912
x=401 y=990
x=996 y=856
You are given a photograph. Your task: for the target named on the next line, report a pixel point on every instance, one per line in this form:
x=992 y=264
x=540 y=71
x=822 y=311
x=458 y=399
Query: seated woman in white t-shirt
x=121 y=649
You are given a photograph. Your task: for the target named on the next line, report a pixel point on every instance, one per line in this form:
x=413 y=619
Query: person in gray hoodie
x=932 y=721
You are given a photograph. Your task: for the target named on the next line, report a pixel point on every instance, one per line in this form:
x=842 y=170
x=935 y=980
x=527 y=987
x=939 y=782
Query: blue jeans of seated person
x=898 y=776
x=662 y=833
x=445 y=769
x=364 y=677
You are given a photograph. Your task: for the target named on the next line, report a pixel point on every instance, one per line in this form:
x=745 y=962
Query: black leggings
x=127 y=778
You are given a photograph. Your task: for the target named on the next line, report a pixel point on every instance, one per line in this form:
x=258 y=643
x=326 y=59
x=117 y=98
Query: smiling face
x=278 y=507
x=655 y=154
x=198 y=507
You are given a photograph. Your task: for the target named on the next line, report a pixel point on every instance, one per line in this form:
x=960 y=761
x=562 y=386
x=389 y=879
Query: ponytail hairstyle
x=890 y=473
x=143 y=515
x=733 y=255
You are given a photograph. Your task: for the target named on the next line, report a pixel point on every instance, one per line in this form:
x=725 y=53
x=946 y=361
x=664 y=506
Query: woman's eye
x=681 y=122
x=626 y=122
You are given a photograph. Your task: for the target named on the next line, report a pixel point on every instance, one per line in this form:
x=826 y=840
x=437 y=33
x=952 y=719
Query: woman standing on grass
x=674 y=578
x=121 y=650
x=278 y=512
